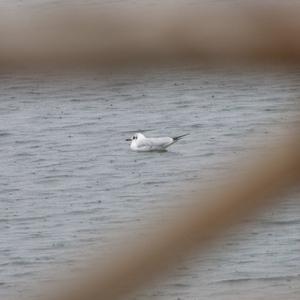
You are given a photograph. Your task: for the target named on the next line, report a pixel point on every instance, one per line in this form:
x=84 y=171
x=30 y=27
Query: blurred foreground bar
x=191 y=228
x=111 y=38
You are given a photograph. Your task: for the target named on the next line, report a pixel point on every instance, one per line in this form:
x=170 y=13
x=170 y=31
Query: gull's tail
x=177 y=138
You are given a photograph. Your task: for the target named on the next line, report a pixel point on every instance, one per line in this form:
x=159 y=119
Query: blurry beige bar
x=203 y=219
x=215 y=33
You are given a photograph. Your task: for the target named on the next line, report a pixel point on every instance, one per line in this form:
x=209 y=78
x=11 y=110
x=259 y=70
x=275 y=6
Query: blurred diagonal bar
x=203 y=219
x=70 y=37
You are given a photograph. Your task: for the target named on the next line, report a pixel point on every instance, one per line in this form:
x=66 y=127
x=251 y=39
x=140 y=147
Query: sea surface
x=69 y=182
x=70 y=186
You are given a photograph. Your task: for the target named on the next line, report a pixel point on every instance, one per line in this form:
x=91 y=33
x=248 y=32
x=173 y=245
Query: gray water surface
x=69 y=181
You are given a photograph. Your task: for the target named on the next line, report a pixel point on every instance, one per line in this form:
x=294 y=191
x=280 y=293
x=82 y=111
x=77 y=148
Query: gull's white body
x=142 y=144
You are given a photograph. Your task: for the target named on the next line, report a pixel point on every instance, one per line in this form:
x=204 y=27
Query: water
x=69 y=182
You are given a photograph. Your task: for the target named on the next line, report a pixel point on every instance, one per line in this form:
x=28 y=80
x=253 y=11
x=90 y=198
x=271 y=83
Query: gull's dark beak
x=128 y=140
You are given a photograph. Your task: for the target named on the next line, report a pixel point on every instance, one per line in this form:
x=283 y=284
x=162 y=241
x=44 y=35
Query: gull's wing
x=162 y=142
x=148 y=144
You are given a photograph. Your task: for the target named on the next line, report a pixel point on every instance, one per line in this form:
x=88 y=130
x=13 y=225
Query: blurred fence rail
x=215 y=33
x=255 y=33
x=191 y=228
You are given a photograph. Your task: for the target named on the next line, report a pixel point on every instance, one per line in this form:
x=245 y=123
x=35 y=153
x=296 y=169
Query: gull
x=141 y=143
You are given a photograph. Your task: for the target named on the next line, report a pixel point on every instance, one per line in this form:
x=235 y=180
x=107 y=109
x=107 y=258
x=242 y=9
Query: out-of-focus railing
x=218 y=34
x=191 y=228
x=215 y=33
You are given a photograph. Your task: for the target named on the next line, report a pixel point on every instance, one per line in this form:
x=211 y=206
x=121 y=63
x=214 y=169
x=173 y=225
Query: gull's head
x=136 y=137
